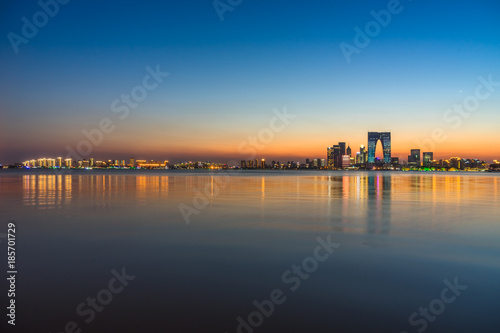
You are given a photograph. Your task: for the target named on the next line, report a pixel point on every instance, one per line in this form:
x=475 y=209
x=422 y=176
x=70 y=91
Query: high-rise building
x=263 y=164
x=348 y=151
x=59 y=162
x=342 y=148
x=91 y=164
x=385 y=139
x=337 y=156
x=329 y=157
x=346 y=161
x=334 y=155
x=427 y=158
x=362 y=153
x=414 y=158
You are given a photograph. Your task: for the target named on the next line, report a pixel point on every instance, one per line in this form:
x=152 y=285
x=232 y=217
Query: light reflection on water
x=402 y=234
x=347 y=185
x=345 y=200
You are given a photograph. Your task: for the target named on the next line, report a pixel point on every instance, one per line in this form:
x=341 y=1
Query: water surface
x=204 y=246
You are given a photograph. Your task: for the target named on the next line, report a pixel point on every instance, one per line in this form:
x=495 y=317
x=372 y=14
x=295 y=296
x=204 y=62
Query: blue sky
x=227 y=76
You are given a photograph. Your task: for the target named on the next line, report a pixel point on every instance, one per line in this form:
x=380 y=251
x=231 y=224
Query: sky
x=233 y=68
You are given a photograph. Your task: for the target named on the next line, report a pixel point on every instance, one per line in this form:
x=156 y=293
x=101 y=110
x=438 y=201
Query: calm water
x=204 y=246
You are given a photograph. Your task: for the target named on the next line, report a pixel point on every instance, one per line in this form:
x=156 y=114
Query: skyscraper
x=385 y=138
x=334 y=155
x=337 y=156
x=348 y=151
x=329 y=157
x=427 y=158
x=342 y=148
x=362 y=154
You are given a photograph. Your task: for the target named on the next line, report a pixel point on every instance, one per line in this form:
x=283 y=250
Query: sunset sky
x=226 y=78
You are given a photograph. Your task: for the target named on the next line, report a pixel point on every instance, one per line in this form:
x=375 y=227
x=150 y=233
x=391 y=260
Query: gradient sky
x=227 y=77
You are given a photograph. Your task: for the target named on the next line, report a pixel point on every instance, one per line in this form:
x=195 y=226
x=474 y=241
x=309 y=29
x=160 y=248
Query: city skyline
x=250 y=166
x=378 y=148
x=337 y=157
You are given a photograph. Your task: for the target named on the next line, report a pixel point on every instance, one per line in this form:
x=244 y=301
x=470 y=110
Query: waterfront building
x=385 y=139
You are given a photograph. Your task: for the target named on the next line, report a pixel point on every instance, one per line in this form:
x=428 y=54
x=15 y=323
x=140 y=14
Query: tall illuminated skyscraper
x=329 y=157
x=385 y=139
x=334 y=155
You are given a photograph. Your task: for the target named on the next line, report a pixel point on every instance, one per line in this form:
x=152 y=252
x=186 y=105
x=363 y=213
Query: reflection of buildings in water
x=263 y=197
x=496 y=187
x=263 y=187
x=55 y=191
x=358 y=201
x=108 y=192
x=47 y=191
x=150 y=186
x=333 y=210
x=378 y=214
x=339 y=199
